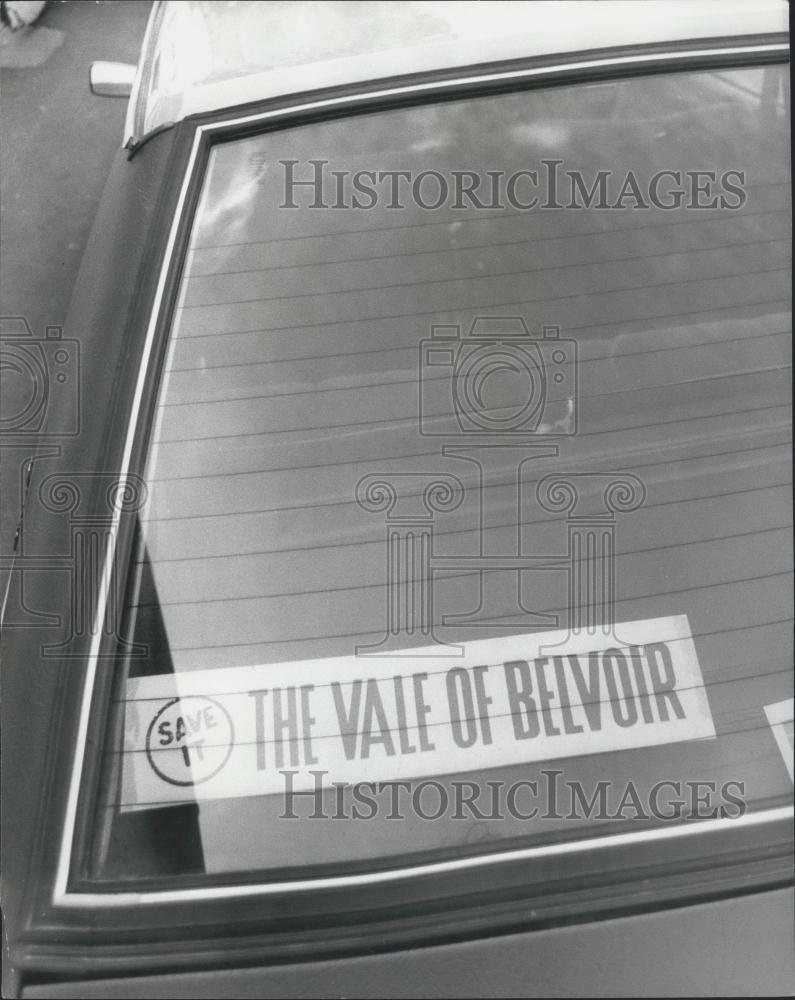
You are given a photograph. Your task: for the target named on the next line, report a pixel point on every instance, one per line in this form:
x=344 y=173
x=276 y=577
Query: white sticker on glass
x=779 y=716
x=232 y=732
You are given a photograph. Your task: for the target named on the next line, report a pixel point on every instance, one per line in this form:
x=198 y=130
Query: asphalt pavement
x=56 y=145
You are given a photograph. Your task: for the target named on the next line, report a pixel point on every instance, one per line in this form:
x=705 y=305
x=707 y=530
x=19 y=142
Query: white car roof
x=206 y=55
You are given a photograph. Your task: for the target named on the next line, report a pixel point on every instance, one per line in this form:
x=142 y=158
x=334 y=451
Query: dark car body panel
x=729 y=948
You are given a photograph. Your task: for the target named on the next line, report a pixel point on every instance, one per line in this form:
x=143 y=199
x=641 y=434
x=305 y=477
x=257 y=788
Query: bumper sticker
x=779 y=716
x=230 y=732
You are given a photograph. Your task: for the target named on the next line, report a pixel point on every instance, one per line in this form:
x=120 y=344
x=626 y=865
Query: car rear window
x=466 y=491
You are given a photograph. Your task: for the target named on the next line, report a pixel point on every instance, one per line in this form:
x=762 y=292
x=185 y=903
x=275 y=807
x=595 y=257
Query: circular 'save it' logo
x=189 y=740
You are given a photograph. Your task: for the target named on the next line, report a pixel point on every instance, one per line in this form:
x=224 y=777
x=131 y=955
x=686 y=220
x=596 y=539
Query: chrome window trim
x=62 y=897
x=216 y=892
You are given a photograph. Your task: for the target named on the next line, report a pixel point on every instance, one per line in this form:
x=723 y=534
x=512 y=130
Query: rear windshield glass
x=468 y=517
